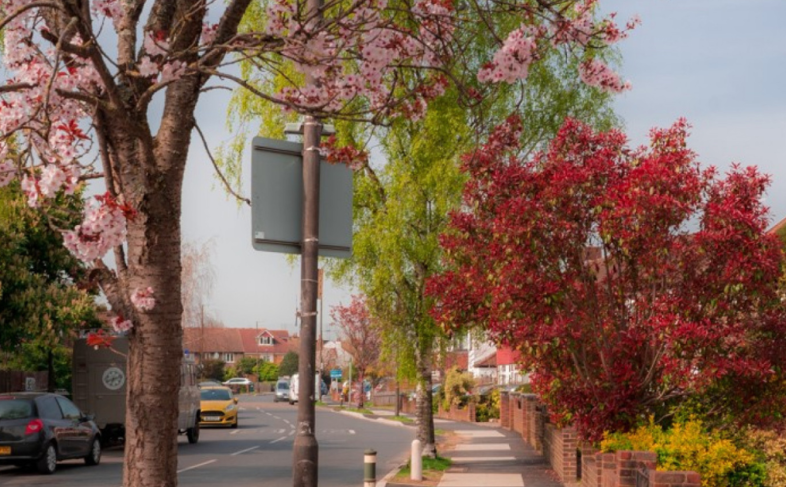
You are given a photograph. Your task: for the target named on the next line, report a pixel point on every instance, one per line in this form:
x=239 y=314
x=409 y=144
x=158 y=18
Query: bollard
x=370 y=468
x=416 y=462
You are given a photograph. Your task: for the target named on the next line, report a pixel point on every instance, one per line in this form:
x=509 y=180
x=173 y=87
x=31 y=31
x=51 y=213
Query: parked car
x=218 y=407
x=282 y=390
x=40 y=429
x=239 y=382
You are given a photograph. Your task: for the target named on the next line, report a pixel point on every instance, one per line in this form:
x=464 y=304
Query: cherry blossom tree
x=83 y=81
x=361 y=334
x=632 y=281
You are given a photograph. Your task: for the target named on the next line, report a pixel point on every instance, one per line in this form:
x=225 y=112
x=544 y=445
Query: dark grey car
x=40 y=429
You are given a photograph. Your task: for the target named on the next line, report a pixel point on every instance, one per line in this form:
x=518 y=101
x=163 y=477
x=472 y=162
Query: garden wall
x=577 y=464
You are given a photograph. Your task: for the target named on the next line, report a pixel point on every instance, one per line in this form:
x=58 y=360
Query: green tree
x=267 y=371
x=213 y=369
x=246 y=365
x=43 y=297
x=289 y=364
x=402 y=207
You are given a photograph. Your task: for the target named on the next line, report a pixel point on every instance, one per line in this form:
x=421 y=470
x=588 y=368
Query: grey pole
x=305 y=452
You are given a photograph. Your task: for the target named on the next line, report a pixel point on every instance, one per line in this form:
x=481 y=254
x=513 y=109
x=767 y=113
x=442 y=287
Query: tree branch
x=218 y=171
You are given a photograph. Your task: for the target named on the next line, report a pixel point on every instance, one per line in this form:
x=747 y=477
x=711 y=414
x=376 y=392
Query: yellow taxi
x=218 y=407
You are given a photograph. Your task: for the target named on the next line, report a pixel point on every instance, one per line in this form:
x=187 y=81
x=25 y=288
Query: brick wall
x=523 y=413
x=518 y=413
x=674 y=479
x=466 y=413
x=560 y=450
x=504 y=410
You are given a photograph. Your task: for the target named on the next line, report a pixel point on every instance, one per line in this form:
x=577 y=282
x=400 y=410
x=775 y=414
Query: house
x=508 y=368
x=231 y=344
x=206 y=343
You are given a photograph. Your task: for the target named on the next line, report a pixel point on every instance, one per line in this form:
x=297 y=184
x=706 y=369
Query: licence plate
x=5 y=450
x=212 y=418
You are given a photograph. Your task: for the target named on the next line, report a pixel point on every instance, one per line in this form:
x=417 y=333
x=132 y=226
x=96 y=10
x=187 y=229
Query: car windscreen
x=215 y=395
x=15 y=409
x=282 y=386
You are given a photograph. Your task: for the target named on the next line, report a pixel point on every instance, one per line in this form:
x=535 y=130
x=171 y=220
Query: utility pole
x=305 y=454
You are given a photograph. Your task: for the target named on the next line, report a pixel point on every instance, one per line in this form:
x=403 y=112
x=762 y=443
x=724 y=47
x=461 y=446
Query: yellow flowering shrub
x=688 y=446
x=772 y=448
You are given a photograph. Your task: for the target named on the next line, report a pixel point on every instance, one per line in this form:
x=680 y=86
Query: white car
x=238 y=381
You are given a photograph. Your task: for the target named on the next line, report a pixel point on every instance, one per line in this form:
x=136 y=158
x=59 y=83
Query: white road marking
x=196 y=466
x=291 y=432
x=243 y=451
x=235 y=432
x=351 y=432
x=279 y=439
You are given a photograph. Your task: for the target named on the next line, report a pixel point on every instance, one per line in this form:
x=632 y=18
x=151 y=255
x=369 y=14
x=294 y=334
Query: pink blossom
x=147 y=67
x=52 y=179
x=172 y=71
x=597 y=73
x=103 y=227
x=512 y=61
x=31 y=190
x=120 y=324
x=208 y=33
x=155 y=44
x=110 y=8
x=143 y=299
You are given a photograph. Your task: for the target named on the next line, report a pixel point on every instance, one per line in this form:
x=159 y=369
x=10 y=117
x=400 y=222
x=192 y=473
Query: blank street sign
x=277 y=200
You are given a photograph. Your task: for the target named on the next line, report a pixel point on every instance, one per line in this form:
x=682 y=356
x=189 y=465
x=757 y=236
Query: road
x=258 y=452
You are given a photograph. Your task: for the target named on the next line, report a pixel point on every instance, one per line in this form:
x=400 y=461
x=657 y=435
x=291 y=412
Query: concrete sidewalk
x=488 y=456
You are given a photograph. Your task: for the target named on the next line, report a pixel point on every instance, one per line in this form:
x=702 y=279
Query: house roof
x=237 y=340
x=250 y=336
x=489 y=361
x=202 y=340
x=507 y=356
x=779 y=228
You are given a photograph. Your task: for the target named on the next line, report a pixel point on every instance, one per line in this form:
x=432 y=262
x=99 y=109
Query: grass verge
x=432 y=472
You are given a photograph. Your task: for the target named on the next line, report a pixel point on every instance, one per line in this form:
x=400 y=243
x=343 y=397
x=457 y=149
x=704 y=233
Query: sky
x=721 y=64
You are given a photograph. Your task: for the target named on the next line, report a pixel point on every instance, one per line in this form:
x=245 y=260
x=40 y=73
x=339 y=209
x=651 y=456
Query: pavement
x=485 y=455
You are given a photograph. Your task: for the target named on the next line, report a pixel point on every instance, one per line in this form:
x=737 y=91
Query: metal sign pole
x=305 y=454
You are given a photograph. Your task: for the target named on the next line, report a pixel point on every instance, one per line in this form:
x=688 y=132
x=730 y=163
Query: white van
x=99 y=388
x=294 y=384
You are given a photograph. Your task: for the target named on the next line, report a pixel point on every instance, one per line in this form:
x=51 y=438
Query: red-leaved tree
x=364 y=338
x=631 y=280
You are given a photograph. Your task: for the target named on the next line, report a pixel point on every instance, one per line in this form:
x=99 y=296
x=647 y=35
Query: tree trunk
x=362 y=387
x=424 y=407
x=155 y=351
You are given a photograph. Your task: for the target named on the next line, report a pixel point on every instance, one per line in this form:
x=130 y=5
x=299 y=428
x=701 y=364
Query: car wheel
x=47 y=464
x=193 y=433
x=94 y=457
x=234 y=425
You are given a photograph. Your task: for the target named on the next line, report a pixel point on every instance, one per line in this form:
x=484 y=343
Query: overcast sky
x=719 y=63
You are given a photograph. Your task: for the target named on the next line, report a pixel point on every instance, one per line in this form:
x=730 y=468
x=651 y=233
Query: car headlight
x=231 y=407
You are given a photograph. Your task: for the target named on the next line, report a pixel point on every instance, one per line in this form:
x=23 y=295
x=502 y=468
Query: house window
x=229 y=357
x=266 y=340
